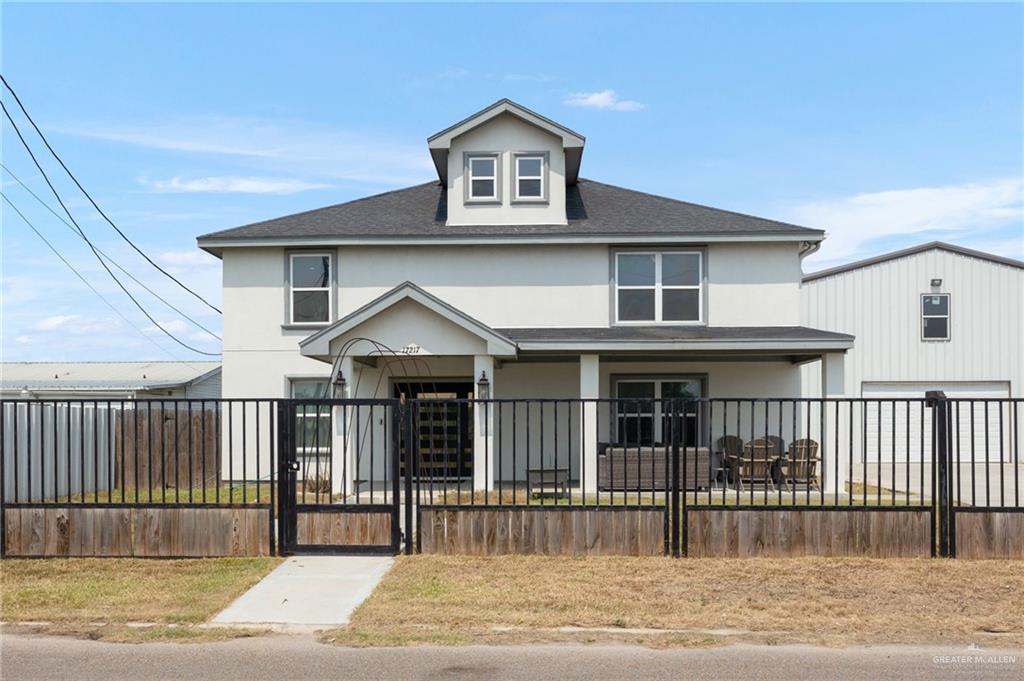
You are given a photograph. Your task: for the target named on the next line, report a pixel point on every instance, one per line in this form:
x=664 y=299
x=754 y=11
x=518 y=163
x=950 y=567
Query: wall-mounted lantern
x=483 y=387
x=340 y=384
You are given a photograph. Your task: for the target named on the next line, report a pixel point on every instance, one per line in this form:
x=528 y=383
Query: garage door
x=886 y=425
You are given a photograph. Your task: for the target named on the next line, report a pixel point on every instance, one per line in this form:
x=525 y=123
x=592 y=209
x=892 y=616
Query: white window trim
x=495 y=178
x=658 y=288
x=292 y=289
x=948 y=317
x=542 y=197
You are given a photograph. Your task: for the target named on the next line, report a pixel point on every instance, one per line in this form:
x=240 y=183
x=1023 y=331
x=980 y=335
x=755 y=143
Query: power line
x=110 y=259
x=94 y=204
x=113 y=276
x=86 y=281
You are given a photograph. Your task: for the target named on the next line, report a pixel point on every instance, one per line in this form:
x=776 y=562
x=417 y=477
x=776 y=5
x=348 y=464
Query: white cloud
x=232 y=184
x=294 y=146
x=528 y=77
x=175 y=326
x=195 y=258
x=605 y=99
x=855 y=221
x=55 y=322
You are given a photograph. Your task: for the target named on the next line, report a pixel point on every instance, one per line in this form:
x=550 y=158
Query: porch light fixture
x=936 y=282
x=483 y=387
x=340 y=384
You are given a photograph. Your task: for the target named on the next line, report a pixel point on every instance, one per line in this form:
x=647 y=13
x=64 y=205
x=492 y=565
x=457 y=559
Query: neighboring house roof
x=914 y=250
x=318 y=344
x=572 y=142
x=593 y=209
x=680 y=337
x=103 y=376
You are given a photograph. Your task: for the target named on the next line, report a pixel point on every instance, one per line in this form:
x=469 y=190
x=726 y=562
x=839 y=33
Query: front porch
x=579 y=411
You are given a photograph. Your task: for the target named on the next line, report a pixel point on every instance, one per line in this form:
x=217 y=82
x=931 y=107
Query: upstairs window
x=310 y=288
x=658 y=287
x=529 y=182
x=935 y=316
x=483 y=178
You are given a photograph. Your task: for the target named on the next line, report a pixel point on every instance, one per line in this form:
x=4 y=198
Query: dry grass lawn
x=457 y=600
x=99 y=597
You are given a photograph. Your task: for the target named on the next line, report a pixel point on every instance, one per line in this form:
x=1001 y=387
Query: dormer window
x=482 y=183
x=530 y=181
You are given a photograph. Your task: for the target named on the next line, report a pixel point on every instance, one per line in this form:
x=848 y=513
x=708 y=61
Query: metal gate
x=338 y=477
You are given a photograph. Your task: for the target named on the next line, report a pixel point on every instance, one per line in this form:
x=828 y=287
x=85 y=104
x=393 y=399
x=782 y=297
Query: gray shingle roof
x=674 y=333
x=593 y=209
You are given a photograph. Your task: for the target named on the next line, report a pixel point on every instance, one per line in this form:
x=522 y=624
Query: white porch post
x=833 y=384
x=590 y=386
x=483 y=427
x=343 y=449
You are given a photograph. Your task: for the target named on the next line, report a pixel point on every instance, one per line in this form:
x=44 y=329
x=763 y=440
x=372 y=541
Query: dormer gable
x=506 y=165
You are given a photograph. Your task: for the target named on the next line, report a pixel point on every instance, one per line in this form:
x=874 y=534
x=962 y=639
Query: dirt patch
x=458 y=600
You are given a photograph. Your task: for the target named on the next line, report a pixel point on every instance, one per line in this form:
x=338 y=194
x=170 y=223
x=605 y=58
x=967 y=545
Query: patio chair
x=756 y=463
x=728 y=449
x=801 y=464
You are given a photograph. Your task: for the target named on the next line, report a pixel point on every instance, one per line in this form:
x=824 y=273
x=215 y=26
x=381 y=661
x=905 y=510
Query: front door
x=442 y=429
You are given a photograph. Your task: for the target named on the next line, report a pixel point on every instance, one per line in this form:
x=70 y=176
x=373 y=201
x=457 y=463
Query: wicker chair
x=755 y=465
x=801 y=464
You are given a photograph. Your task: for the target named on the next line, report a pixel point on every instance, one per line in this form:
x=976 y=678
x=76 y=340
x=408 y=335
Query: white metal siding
x=880 y=305
x=886 y=418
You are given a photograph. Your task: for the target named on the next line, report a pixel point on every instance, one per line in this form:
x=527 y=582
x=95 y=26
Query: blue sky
x=886 y=125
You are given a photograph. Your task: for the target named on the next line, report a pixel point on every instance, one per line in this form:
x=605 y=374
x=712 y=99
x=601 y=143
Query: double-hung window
x=483 y=178
x=655 y=287
x=529 y=180
x=310 y=295
x=935 y=316
x=312 y=421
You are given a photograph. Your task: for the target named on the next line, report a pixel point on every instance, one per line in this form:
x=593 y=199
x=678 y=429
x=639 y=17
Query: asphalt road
x=279 y=658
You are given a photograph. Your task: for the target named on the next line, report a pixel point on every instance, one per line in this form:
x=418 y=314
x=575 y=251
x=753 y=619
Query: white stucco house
x=512 y=266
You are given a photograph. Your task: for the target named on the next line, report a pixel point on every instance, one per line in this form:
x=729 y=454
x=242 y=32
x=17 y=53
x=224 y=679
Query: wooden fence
x=982 y=533
x=562 y=531
x=774 y=533
x=167 y=445
x=141 y=531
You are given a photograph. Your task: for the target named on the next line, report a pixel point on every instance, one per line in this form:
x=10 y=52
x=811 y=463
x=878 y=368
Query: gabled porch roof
x=318 y=345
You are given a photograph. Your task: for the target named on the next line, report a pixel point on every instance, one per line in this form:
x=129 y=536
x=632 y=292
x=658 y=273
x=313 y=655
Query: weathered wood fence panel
x=65 y=531
x=164 y=445
x=338 y=528
x=547 y=531
x=990 y=534
x=742 y=533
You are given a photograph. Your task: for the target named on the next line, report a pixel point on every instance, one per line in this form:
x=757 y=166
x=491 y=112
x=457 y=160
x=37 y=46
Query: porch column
x=483 y=427
x=590 y=386
x=833 y=384
x=343 y=450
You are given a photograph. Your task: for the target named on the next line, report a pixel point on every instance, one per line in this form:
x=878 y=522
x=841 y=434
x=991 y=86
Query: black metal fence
x=675 y=455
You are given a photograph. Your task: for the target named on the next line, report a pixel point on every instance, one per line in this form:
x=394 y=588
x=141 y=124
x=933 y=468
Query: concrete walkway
x=307 y=592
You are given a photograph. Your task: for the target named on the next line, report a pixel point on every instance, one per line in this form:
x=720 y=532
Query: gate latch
x=293 y=466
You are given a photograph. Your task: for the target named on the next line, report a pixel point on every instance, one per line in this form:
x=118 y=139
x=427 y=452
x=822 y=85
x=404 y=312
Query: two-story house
x=512 y=268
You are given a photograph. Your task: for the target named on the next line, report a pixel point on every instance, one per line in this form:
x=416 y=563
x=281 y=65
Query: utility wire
x=113 y=276
x=111 y=260
x=86 y=281
x=94 y=204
